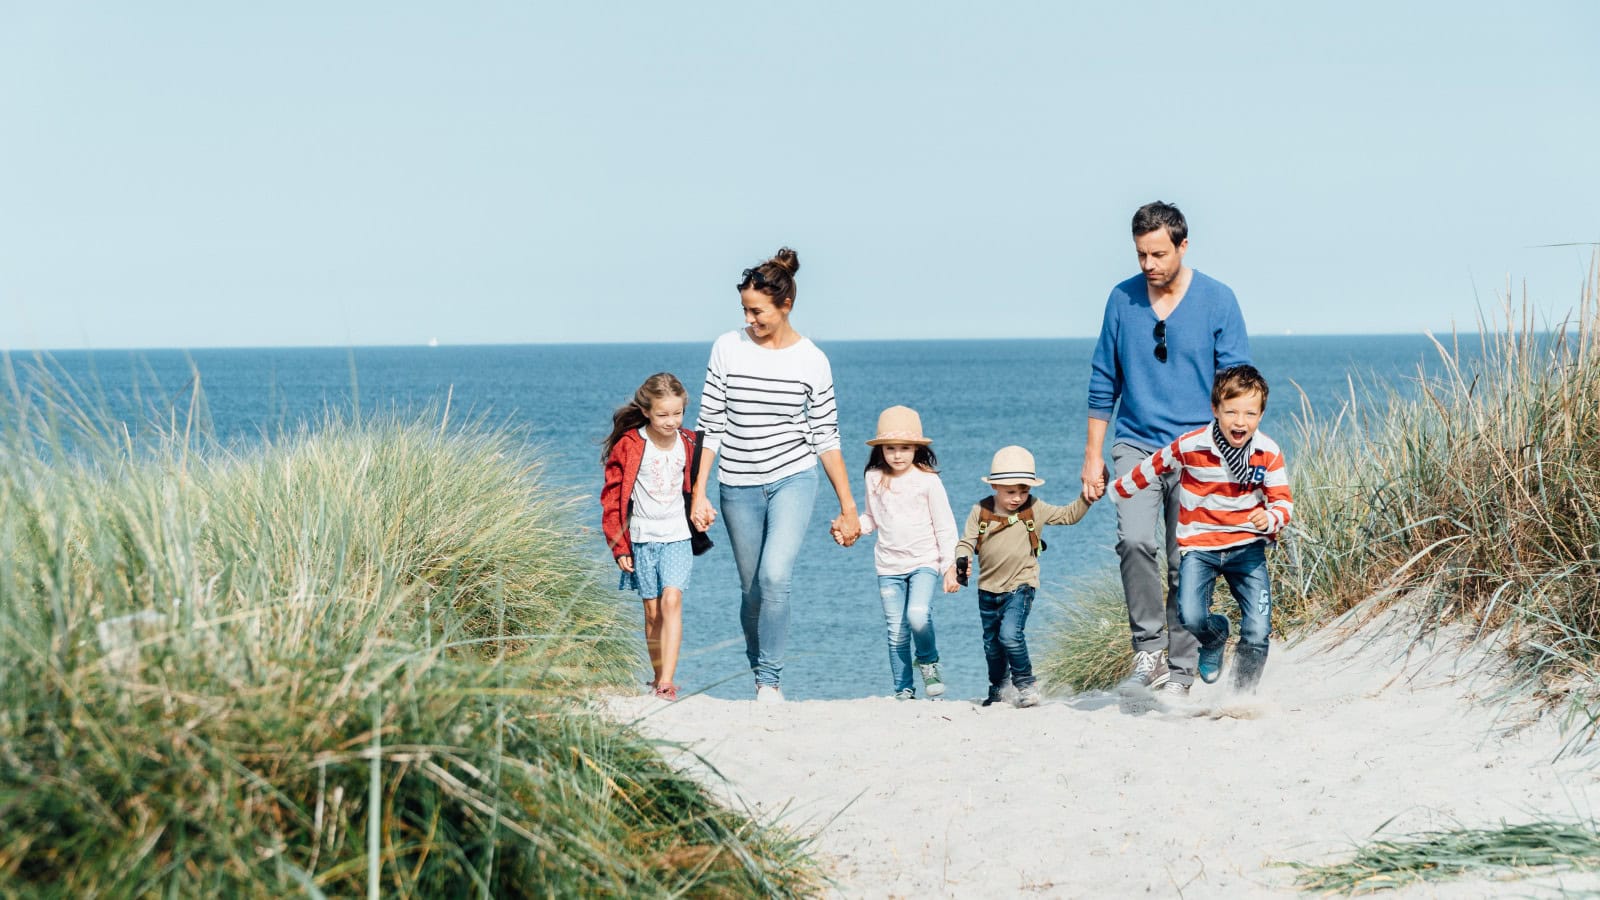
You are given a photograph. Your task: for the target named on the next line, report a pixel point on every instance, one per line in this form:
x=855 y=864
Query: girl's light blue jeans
x=908 y=614
x=766 y=524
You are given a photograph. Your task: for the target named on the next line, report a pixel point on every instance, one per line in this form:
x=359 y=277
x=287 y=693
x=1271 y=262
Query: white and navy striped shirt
x=767 y=413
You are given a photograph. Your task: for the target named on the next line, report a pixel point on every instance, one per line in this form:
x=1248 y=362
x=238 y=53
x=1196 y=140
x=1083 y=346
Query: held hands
x=846 y=529
x=1094 y=479
x=950 y=583
x=625 y=563
x=1259 y=519
x=701 y=514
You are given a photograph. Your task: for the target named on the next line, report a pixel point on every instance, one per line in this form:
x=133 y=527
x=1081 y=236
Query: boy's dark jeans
x=1005 y=646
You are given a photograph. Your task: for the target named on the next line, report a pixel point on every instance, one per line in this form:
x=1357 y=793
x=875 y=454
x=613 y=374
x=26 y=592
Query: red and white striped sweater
x=1213 y=509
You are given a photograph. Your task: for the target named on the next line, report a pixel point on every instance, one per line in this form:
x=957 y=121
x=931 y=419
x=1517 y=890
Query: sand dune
x=1082 y=797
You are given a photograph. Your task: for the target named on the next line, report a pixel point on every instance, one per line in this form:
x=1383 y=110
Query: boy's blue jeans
x=1005 y=646
x=1245 y=569
x=908 y=615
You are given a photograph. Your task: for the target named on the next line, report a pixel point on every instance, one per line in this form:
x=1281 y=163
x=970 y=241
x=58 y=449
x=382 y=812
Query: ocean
x=562 y=396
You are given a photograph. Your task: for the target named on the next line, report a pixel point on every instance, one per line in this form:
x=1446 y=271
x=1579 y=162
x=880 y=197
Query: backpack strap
x=989 y=522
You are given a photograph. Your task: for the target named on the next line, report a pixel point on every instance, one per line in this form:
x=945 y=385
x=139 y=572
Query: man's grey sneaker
x=1173 y=692
x=994 y=696
x=1028 y=695
x=905 y=694
x=931 y=682
x=1149 y=670
x=1211 y=664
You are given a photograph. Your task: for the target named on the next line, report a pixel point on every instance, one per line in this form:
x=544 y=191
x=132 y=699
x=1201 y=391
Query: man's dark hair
x=1158 y=215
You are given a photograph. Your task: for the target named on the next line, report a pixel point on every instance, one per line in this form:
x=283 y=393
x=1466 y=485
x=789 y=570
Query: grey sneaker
x=931 y=682
x=1149 y=671
x=905 y=694
x=1028 y=695
x=1173 y=692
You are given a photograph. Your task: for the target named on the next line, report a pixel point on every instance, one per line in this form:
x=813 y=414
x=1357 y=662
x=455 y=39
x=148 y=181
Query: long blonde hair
x=636 y=412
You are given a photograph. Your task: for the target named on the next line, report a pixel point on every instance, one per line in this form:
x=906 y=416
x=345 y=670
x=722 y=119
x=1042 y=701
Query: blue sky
x=195 y=175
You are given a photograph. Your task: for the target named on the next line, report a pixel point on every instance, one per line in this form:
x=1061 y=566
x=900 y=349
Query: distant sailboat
x=433 y=342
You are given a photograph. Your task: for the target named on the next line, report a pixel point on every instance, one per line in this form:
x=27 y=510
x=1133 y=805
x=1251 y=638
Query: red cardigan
x=622 y=467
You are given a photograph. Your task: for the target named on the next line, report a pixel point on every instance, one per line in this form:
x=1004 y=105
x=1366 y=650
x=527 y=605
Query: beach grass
x=1504 y=852
x=350 y=659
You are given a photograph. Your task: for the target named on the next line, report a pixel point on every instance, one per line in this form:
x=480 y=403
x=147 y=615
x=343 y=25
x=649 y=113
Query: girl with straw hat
x=908 y=508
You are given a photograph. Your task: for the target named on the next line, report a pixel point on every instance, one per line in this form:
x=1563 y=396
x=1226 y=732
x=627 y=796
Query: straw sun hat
x=899 y=425
x=1013 y=465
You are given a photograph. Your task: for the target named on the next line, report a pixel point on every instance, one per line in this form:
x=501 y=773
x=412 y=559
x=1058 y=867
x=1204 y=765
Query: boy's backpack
x=989 y=522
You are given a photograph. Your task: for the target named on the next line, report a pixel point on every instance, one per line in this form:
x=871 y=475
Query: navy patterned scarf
x=1236 y=458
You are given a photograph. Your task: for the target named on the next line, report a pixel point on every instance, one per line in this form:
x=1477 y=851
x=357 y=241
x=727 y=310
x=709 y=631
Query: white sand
x=1081 y=798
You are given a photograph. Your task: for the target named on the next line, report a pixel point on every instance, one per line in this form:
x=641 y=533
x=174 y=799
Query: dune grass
x=1506 y=852
x=343 y=661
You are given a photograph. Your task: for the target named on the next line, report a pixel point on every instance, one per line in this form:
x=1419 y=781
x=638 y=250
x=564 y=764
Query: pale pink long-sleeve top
x=911 y=514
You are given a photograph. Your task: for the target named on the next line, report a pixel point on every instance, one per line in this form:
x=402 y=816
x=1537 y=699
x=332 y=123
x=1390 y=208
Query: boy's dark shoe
x=1211 y=663
x=994 y=695
x=1248 y=662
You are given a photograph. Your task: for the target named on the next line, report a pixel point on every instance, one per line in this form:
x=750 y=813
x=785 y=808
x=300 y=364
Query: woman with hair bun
x=768 y=415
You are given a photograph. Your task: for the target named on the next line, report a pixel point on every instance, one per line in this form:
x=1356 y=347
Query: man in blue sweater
x=1166 y=333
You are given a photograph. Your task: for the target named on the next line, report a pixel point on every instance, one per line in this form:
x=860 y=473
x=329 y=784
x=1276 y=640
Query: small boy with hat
x=1003 y=532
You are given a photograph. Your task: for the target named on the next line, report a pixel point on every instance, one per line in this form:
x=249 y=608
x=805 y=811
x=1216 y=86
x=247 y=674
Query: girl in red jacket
x=644 y=517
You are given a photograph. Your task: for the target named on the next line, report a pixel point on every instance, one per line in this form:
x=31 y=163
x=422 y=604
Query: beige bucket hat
x=899 y=425
x=1013 y=465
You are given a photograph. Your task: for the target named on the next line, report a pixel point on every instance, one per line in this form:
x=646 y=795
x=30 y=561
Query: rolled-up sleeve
x=1105 y=370
x=822 y=411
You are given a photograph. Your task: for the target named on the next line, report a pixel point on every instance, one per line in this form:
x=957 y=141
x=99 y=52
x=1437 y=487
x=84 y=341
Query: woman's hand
x=847 y=528
x=950 y=584
x=625 y=563
x=702 y=513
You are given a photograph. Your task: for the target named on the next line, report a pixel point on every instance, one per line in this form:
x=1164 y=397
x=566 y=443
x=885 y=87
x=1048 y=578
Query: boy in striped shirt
x=1233 y=500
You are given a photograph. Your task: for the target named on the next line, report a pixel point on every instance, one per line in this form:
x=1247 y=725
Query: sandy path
x=1078 y=798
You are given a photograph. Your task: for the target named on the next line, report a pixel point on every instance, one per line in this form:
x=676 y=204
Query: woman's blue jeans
x=908 y=614
x=1245 y=569
x=766 y=525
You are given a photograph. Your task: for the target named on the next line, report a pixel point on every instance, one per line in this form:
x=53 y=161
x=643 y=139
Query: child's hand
x=625 y=563
x=838 y=536
x=1258 y=518
x=702 y=514
x=950 y=585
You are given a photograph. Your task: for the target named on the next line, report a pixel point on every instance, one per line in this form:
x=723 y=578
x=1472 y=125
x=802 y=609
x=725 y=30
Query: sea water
x=974 y=397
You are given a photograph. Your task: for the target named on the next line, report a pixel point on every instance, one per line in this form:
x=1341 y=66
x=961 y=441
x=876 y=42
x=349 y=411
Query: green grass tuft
x=1504 y=852
x=337 y=661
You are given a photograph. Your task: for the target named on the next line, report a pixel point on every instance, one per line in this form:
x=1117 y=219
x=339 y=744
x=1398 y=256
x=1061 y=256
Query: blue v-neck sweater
x=1154 y=401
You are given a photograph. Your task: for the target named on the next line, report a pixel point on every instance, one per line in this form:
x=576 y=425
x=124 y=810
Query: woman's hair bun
x=787 y=259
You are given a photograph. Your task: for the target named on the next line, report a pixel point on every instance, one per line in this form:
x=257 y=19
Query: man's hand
x=625 y=563
x=1094 y=479
x=1258 y=518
